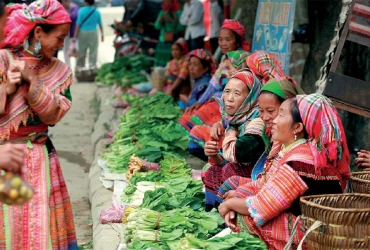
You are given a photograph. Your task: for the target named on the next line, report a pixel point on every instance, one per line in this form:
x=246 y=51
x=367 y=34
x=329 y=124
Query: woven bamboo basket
x=361 y=182
x=343 y=219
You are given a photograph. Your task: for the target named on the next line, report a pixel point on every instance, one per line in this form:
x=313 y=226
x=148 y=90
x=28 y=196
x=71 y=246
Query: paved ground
x=71 y=136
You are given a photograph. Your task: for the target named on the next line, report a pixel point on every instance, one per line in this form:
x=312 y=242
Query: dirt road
x=71 y=138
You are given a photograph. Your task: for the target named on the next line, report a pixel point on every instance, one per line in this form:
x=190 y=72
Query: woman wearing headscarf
x=11 y=155
x=201 y=65
x=272 y=95
x=231 y=38
x=38 y=88
x=309 y=157
x=168 y=25
x=239 y=107
x=234 y=61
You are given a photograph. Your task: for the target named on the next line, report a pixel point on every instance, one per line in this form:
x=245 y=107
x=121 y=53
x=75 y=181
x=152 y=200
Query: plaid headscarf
x=238 y=58
x=238 y=28
x=182 y=43
x=328 y=140
x=264 y=65
x=21 y=19
x=248 y=110
x=205 y=55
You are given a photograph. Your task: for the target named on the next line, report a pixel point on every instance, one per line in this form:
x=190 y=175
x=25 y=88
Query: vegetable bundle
x=124 y=71
x=147 y=130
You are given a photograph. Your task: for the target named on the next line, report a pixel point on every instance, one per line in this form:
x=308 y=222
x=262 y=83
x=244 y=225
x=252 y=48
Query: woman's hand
x=211 y=148
x=184 y=98
x=195 y=106
x=230 y=194
x=19 y=72
x=363 y=160
x=12 y=157
x=232 y=132
x=232 y=222
x=217 y=131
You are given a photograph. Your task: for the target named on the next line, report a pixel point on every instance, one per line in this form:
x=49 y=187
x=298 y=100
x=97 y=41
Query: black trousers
x=195 y=43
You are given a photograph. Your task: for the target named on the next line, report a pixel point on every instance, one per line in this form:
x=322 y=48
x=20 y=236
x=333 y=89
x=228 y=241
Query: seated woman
x=275 y=92
x=206 y=111
x=234 y=61
x=201 y=66
x=309 y=157
x=239 y=104
x=177 y=71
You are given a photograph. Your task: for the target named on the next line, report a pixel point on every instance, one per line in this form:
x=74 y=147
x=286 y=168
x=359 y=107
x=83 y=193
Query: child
x=201 y=66
x=177 y=71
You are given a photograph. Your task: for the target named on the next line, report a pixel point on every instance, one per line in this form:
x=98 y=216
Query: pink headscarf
x=21 y=19
x=238 y=28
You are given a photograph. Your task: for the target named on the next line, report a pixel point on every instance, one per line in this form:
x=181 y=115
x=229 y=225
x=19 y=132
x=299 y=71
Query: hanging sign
x=273 y=29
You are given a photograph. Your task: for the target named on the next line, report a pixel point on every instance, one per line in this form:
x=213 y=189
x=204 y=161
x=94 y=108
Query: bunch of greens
x=150 y=128
x=149 y=225
x=241 y=241
x=124 y=71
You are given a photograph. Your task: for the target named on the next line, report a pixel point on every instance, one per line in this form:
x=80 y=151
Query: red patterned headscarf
x=182 y=43
x=265 y=66
x=205 y=55
x=175 y=6
x=21 y=19
x=238 y=28
x=328 y=139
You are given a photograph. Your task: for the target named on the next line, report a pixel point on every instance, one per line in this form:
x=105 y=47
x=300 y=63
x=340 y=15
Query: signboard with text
x=273 y=29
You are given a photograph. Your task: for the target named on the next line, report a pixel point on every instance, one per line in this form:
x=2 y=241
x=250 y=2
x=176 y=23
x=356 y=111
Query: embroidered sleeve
x=50 y=107
x=277 y=195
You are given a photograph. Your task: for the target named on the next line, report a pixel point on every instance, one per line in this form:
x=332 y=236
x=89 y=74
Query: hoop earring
x=37 y=46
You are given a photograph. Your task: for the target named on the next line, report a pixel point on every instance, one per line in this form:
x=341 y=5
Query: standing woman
x=11 y=155
x=72 y=10
x=38 y=97
x=87 y=33
x=168 y=25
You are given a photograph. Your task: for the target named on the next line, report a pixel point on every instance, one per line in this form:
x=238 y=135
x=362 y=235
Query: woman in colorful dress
x=205 y=110
x=239 y=104
x=11 y=155
x=39 y=96
x=201 y=66
x=177 y=70
x=272 y=95
x=168 y=25
x=234 y=61
x=309 y=157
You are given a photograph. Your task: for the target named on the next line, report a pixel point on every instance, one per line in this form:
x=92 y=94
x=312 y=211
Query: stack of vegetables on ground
x=124 y=71
x=148 y=129
x=163 y=204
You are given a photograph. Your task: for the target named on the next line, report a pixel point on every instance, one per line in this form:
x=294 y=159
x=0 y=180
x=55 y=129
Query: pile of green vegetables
x=124 y=71
x=165 y=207
x=171 y=225
x=148 y=130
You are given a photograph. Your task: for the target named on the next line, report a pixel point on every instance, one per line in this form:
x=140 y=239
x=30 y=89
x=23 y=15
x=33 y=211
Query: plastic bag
x=73 y=49
x=113 y=214
x=14 y=190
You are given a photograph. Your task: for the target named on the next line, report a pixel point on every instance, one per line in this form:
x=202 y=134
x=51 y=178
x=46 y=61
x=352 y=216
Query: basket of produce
x=361 y=182
x=337 y=221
